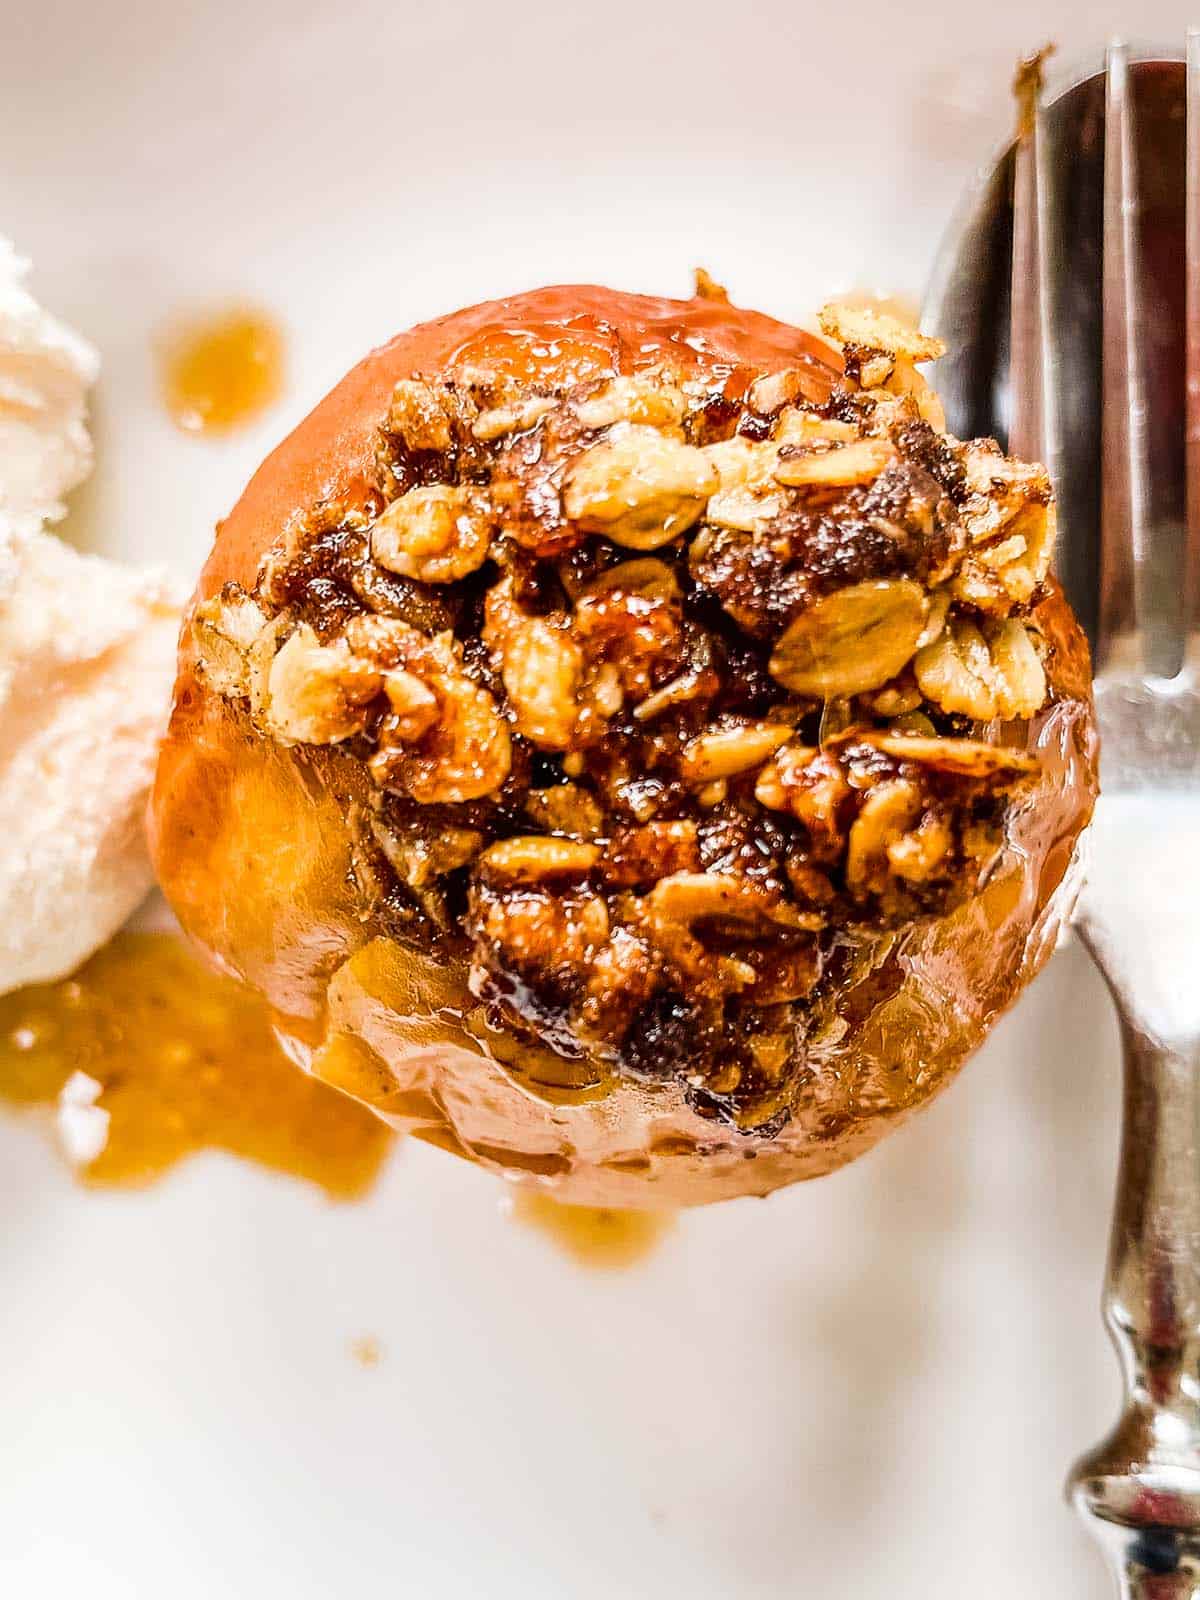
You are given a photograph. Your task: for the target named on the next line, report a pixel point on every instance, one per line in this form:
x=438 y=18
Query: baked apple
x=630 y=743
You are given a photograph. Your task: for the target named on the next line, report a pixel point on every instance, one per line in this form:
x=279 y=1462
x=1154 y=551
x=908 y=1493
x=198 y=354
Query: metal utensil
x=1068 y=291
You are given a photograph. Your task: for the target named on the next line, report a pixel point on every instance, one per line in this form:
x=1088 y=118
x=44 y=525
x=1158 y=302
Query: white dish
x=870 y=1386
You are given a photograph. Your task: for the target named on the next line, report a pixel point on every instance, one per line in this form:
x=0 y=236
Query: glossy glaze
x=222 y=370
x=252 y=850
x=178 y=1061
x=593 y=1236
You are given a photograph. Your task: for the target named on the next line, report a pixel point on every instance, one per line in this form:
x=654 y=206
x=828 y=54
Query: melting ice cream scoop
x=86 y=659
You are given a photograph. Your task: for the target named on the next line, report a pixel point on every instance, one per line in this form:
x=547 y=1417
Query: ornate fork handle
x=1139 y=1490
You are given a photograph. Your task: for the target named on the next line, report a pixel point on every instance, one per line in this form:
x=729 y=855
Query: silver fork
x=1139 y=1489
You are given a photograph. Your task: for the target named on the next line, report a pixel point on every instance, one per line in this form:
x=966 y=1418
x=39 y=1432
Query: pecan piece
x=436 y=534
x=534 y=857
x=316 y=693
x=462 y=753
x=638 y=487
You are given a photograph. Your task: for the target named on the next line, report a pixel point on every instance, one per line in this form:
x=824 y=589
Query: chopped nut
x=484 y=382
x=605 y=691
x=875 y=371
x=541 y=669
x=1021 y=685
x=413 y=705
x=812 y=786
x=466 y=753
x=541 y=666
x=747 y=496
x=1008 y=501
x=887 y=813
x=995 y=556
x=515 y=418
x=318 y=694
x=420 y=414
x=435 y=535
x=906 y=380
x=877 y=330
x=852 y=640
x=809 y=883
x=644 y=398
x=795 y=426
x=986 y=469
x=841 y=467
x=537 y=856
x=1037 y=525
x=916 y=856
x=638 y=487
x=724 y=752
x=744 y=509
x=740 y=462
x=565 y=808
x=955 y=672
x=419 y=859
x=1007 y=571
x=982 y=676
x=224 y=628
x=767 y=395
x=259 y=659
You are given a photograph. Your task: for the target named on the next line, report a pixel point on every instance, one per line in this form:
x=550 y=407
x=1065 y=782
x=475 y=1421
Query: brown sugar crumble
x=663 y=684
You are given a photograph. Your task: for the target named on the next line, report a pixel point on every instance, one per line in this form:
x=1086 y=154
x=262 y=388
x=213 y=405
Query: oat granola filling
x=666 y=686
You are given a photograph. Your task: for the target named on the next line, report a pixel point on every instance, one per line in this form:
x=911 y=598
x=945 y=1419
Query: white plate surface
x=866 y=1387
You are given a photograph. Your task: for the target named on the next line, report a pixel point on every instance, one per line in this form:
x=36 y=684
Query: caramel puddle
x=594 y=1235
x=222 y=370
x=151 y=1058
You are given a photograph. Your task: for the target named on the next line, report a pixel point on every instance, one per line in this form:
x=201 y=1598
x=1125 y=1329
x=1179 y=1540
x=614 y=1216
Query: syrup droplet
x=366 y=1350
x=222 y=370
x=147 y=1057
x=594 y=1235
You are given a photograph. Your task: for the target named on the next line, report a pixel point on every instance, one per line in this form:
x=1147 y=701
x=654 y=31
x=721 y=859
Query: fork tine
x=1192 y=259
x=1032 y=431
x=1123 y=520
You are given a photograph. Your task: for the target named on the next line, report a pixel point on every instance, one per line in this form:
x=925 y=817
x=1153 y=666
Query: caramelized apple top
x=675 y=655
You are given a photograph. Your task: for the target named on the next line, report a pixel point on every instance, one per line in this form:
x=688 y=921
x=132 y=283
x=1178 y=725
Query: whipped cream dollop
x=87 y=656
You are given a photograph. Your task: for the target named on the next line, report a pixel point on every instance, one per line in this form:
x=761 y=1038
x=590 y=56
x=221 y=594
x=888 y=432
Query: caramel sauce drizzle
x=150 y=1058
x=594 y=1236
x=222 y=370
x=146 y=1058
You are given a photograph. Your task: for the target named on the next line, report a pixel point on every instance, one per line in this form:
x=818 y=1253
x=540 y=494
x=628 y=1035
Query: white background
x=867 y=1387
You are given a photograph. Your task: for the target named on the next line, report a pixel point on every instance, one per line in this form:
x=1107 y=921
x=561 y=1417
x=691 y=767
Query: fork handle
x=1139 y=1489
